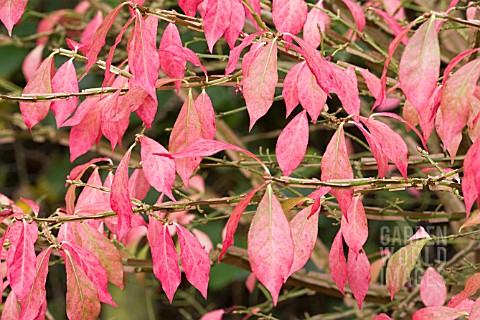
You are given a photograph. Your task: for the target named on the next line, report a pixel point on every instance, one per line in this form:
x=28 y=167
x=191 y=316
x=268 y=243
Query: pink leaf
x=195 y=260
x=382 y=316
x=206 y=115
x=471 y=178
x=92 y=26
x=34 y=112
x=421 y=60
x=289 y=15
x=354 y=225
x=189 y=6
x=98 y=39
x=455 y=103
x=270 y=244
x=358 y=275
x=82 y=296
x=164 y=256
x=120 y=196
x=10 y=308
x=336 y=165
x=420 y=234
x=471 y=287
x=32 y=61
x=290 y=155
x=310 y=95
x=216 y=20
x=65 y=81
x=143 y=57
x=304 y=228
x=10 y=12
x=237 y=21
x=338 y=263
x=159 y=171
x=475 y=310
x=213 y=315
x=316 y=19
x=170 y=61
x=21 y=257
x=233 y=220
x=259 y=85
x=437 y=313
x=235 y=52
x=138 y=185
x=290 y=88
x=92 y=267
x=357 y=14
x=251 y=282
x=373 y=83
x=32 y=303
x=392 y=23
x=432 y=288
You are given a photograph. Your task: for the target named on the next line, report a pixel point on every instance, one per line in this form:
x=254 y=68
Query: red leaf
x=357 y=14
x=92 y=267
x=421 y=60
x=390 y=144
x=455 y=103
x=437 y=313
x=289 y=15
x=304 y=231
x=335 y=165
x=259 y=85
x=237 y=21
x=290 y=88
x=270 y=244
x=310 y=95
x=159 y=171
x=120 y=197
x=354 y=225
x=338 y=263
x=195 y=260
x=216 y=20
x=316 y=19
x=233 y=220
x=471 y=287
x=143 y=57
x=21 y=257
x=98 y=39
x=432 y=288
x=33 y=302
x=64 y=81
x=290 y=155
x=358 y=275
x=82 y=296
x=10 y=12
x=189 y=6
x=164 y=257
x=10 y=308
x=471 y=178
x=34 y=112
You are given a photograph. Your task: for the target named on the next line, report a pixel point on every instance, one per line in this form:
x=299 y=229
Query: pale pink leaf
x=315 y=25
x=251 y=282
x=233 y=220
x=357 y=14
x=437 y=313
x=138 y=185
x=354 y=225
x=421 y=60
x=21 y=257
x=10 y=308
x=32 y=303
x=382 y=316
x=289 y=15
x=471 y=287
x=82 y=298
x=290 y=155
x=456 y=94
x=120 y=196
x=259 y=85
x=216 y=20
x=64 y=81
x=304 y=228
x=164 y=257
x=195 y=260
x=10 y=12
x=433 y=290
x=373 y=82
x=40 y=83
x=204 y=240
x=92 y=26
x=213 y=315
x=336 y=165
x=358 y=275
x=475 y=310
x=159 y=171
x=420 y=234
x=338 y=263
x=92 y=267
x=465 y=305
x=270 y=244
x=32 y=61
x=290 y=89
x=310 y=95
